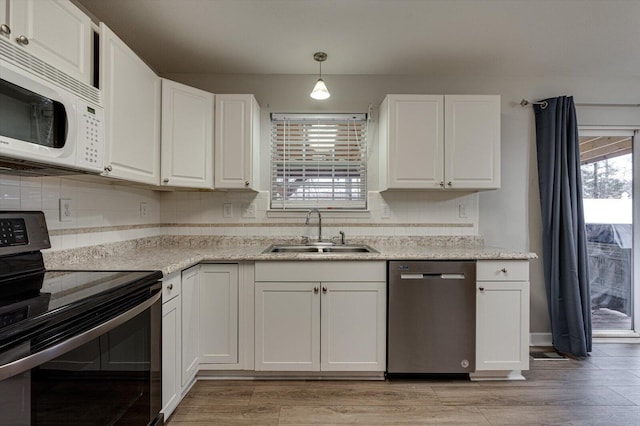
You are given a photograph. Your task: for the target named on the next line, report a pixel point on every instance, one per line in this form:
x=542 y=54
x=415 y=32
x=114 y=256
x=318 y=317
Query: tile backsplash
x=99 y=213
x=110 y=212
x=417 y=213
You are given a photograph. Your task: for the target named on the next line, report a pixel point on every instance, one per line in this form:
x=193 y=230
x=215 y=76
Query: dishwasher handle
x=422 y=276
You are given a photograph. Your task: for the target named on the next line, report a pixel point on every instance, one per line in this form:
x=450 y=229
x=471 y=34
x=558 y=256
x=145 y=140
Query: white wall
x=508 y=217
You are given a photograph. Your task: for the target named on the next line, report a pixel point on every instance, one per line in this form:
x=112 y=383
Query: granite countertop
x=171 y=254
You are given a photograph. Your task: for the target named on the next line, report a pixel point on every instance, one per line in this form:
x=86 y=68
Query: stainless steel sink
x=320 y=248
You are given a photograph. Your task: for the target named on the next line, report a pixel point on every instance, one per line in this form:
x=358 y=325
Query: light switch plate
x=462 y=211
x=66 y=210
x=143 y=208
x=227 y=210
x=384 y=211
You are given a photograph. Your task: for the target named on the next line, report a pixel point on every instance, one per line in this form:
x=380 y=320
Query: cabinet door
x=218 y=300
x=236 y=141
x=190 y=328
x=353 y=326
x=502 y=328
x=4 y=18
x=187 y=136
x=58 y=33
x=472 y=141
x=171 y=347
x=287 y=326
x=132 y=112
x=415 y=141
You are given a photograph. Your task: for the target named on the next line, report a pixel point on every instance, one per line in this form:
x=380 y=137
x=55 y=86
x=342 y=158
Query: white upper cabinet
x=411 y=141
x=237 y=140
x=187 y=136
x=439 y=142
x=55 y=31
x=132 y=112
x=472 y=141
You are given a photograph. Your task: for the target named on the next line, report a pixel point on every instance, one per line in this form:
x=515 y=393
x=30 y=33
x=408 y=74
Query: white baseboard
x=540 y=339
x=545 y=339
x=485 y=376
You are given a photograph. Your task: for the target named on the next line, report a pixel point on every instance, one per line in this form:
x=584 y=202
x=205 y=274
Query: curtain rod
x=545 y=104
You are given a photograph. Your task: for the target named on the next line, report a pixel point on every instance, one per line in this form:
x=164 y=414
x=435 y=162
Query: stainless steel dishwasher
x=432 y=317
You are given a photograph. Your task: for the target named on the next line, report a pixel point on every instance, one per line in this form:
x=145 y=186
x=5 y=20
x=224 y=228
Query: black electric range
x=74 y=328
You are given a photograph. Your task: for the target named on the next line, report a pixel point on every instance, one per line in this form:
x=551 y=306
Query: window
x=606 y=158
x=318 y=160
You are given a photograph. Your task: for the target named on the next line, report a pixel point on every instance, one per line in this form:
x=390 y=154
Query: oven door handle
x=27 y=363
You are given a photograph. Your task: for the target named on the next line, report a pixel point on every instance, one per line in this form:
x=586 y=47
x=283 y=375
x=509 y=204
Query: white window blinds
x=318 y=160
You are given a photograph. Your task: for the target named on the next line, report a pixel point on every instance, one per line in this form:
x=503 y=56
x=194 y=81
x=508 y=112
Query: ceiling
x=598 y=148
x=381 y=37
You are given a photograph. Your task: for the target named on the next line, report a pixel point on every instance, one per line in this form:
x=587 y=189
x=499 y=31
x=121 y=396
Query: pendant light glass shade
x=320 y=90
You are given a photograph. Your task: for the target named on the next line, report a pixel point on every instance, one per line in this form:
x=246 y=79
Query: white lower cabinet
x=502 y=319
x=353 y=326
x=171 y=343
x=190 y=293
x=287 y=326
x=218 y=321
x=337 y=322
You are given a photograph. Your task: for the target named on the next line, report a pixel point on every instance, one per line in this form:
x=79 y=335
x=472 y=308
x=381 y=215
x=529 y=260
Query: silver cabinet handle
x=22 y=40
x=324 y=289
x=165 y=180
x=4 y=29
x=246 y=183
x=170 y=287
x=108 y=168
x=315 y=290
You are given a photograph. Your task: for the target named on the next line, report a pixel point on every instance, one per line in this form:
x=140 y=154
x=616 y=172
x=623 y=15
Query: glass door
x=606 y=158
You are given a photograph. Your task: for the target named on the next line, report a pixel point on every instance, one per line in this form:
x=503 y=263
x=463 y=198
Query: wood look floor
x=603 y=389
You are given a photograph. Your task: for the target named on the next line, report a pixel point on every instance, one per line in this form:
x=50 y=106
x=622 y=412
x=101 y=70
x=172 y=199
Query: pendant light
x=320 y=90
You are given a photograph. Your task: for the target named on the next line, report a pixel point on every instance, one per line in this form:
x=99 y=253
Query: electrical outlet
x=385 y=211
x=143 y=209
x=66 y=210
x=227 y=210
x=462 y=211
x=249 y=211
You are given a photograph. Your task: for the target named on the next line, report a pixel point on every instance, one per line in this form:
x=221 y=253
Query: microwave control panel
x=91 y=139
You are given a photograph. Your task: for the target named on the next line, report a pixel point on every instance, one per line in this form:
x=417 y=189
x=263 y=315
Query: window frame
x=334 y=157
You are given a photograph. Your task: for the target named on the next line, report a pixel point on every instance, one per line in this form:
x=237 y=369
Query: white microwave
x=47 y=125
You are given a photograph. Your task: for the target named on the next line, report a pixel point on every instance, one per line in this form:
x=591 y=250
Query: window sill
x=327 y=213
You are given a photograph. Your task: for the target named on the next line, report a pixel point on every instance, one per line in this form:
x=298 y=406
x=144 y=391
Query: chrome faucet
x=319 y=222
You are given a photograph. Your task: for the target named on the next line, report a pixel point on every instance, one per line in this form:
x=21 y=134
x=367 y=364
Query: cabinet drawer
x=502 y=270
x=170 y=287
x=301 y=271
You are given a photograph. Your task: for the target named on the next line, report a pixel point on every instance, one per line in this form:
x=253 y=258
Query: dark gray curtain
x=564 y=239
